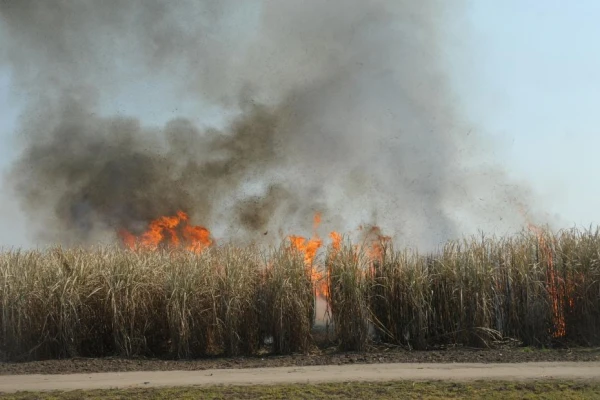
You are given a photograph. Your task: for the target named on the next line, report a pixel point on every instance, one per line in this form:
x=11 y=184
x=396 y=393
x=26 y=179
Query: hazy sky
x=531 y=78
x=525 y=72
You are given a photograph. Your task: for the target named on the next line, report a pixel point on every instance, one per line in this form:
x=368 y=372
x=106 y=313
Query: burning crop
x=170 y=232
x=176 y=232
x=338 y=106
x=168 y=296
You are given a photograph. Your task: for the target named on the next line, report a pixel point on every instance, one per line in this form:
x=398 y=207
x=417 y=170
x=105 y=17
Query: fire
x=170 y=231
x=556 y=286
x=316 y=221
x=336 y=240
x=378 y=241
x=557 y=289
x=374 y=242
x=310 y=247
x=176 y=232
x=128 y=238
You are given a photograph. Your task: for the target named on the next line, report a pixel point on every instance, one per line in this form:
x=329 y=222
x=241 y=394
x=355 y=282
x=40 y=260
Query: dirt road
x=313 y=374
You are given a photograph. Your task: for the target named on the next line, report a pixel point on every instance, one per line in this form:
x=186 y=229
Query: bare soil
x=318 y=358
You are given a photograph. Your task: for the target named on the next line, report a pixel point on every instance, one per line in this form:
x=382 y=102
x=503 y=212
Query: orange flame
x=377 y=244
x=556 y=286
x=336 y=239
x=169 y=231
x=309 y=248
x=316 y=222
x=127 y=238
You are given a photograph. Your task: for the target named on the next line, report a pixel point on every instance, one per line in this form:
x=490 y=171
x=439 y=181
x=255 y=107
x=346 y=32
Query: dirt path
x=311 y=374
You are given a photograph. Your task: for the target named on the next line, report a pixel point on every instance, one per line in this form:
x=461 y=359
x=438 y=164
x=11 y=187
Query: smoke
x=341 y=107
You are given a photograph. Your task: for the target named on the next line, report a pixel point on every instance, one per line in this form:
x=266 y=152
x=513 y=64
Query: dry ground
x=319 y=357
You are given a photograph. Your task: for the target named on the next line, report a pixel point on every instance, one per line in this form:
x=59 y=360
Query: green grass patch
x=562 y=390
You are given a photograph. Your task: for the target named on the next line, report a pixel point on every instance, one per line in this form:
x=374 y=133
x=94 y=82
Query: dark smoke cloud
x=339 y=106
x=111 y=173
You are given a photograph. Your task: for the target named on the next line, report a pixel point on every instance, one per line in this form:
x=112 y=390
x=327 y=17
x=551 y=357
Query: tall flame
x=336 y=241
x=556 y=286
x=169 y=231
x=309 y=248
x=378 y=242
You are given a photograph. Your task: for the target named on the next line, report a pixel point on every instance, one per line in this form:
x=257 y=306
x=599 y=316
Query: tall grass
x=347 y=293
x=289 y=308
x=540 y=289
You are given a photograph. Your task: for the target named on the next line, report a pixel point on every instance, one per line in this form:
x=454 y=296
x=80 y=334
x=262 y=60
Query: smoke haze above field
x=341 y=107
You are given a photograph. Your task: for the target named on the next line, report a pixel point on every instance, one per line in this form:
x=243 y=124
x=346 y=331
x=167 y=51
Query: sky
x=526 y=74
x=531 y=80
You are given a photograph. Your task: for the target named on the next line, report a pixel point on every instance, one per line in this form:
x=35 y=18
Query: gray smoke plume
x=341 y=107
